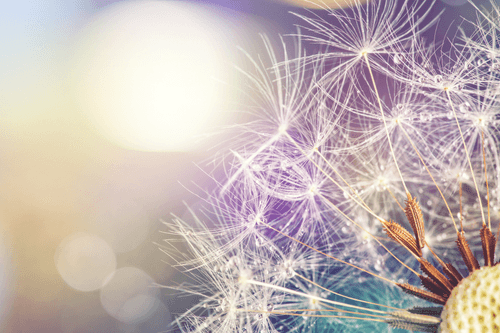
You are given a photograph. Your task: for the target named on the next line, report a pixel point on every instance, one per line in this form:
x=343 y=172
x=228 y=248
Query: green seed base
x=474 y=305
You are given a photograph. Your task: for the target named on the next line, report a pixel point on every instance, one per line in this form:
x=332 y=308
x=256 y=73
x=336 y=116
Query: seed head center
x=474 y=304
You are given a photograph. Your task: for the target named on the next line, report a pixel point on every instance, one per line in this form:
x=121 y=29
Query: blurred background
x=108 y=111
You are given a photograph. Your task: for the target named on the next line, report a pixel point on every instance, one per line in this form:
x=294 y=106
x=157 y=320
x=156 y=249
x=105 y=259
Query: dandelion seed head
x=282 y=129
x=365 y=235
x=312 y=190
x=474 y=303
x=480 y=121
x=461 y=175
x=381 y=183
x=314 y=303
x=244 y=277
x=381 y=129
x=365 y=51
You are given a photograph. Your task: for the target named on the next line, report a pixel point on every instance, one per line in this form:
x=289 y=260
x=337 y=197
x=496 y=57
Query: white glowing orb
x=150 y=74
x=130 y=296
x=85 y=261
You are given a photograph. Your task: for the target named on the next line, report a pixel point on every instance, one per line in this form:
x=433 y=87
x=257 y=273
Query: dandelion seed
x=356 y=204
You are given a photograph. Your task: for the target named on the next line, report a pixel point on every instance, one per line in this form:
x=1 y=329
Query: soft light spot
x=152 y=72
x=84 y=261
x=130 y=296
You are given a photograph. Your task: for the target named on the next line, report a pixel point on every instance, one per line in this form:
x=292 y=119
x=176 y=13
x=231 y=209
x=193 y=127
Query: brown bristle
x=465 y=251
x=416 y=219
x=423 y=294
x=453 y=274
x=433 y=286
x=488 y=242
x=402 y=236
x=435 y=275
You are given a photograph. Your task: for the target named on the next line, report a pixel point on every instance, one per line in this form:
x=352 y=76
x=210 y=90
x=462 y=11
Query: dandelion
x=365 y=195
x=379 y=28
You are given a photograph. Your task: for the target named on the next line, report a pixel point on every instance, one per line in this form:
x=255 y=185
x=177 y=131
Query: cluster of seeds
x=364 y=192
x=474 y=305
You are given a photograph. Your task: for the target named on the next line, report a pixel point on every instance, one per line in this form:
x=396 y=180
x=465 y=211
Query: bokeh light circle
x=85 y=261
x=130 y=296
x=156 y=322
